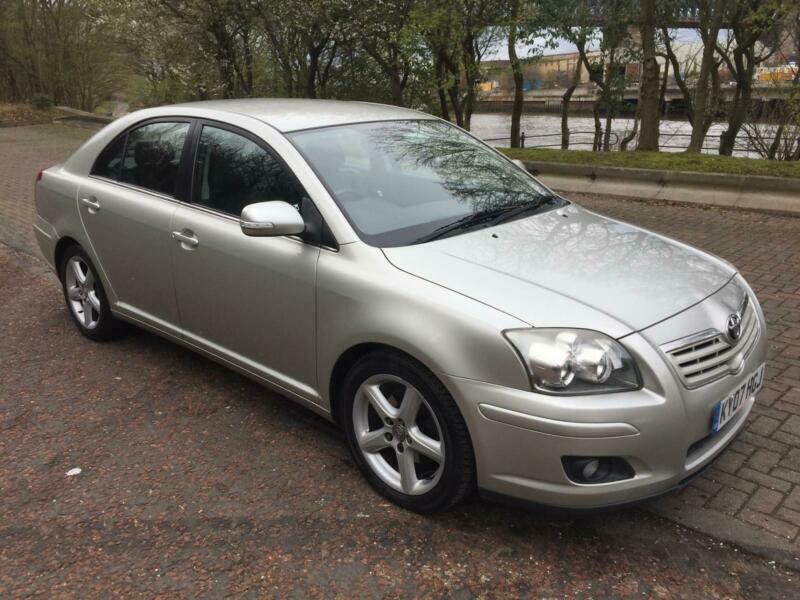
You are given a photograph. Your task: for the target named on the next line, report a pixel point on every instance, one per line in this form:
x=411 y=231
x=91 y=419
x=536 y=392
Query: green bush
x=41 y=102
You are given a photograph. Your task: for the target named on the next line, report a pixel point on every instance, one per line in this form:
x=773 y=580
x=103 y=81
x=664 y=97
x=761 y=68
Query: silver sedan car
x=465 y=326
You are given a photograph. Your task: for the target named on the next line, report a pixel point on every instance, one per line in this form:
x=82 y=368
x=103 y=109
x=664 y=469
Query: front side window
x=232 y=171
x=402 y=182
x=153 y=155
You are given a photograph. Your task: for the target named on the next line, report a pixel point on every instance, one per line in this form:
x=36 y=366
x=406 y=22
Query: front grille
x=705 y=357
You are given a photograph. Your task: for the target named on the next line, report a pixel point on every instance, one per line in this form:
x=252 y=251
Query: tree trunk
x=454 y=93
x=649 y=95
x=311 y=75
x=700 y=104
x=441 y=77
x=736 y=118
x=470 y=72
x=597 y=144
x=607 y=132
x=662 y=96
x=443 y=103
x=679 y=80
x=397 y=89
x=597 y=79
x=516 y=67
x=625 y=141
x=565 y=100
x=741 y=100
x=776 y=143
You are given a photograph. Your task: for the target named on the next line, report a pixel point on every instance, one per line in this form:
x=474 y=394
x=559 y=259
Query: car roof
x=291 y=114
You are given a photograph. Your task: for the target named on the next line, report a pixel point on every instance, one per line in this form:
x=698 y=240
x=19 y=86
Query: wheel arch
x=61 y=247
x=348 y=359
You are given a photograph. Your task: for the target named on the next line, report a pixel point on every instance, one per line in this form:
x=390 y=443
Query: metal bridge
x=686 y=18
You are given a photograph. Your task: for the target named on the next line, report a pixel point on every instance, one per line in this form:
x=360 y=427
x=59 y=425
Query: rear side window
x=109 y=163
x=232 y=171
x=152 y=156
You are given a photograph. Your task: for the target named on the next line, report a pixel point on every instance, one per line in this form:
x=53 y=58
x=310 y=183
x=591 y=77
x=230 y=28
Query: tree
x=523 y=26
x=701 y=100
x=477 y=37
x=385 y=32
x=608 y=73
x=438 y=25
x=569 y=20
x=756 y=28
x=304 y=39
x=516 y=68
x=64 y=49
x=224 y=30
x=649 y=105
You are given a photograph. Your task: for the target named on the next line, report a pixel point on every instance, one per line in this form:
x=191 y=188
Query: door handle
x=91 y=203
x=187 y=239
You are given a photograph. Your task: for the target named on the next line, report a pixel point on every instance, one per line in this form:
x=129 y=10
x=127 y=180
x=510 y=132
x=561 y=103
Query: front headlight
x=574 y=361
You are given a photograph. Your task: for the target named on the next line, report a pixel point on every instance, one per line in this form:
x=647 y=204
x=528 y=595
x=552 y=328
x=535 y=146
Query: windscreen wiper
x=529 y=207
x=462 y=223
x=491 y=217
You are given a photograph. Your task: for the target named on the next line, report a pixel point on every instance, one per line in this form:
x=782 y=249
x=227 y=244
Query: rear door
x=248 y=299
x=126 y=207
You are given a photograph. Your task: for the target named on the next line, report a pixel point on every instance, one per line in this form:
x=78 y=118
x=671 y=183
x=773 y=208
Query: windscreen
x=399 y=181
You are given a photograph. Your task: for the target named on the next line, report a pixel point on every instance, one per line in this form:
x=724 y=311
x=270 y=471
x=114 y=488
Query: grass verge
x=664 y=161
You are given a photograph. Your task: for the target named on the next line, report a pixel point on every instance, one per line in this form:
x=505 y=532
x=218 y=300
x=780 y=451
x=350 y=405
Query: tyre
x=85 y=297
x=406 y=433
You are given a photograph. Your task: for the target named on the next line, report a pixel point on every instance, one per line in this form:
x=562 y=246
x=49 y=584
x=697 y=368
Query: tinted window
x=110 y=160
x=231 y=172
x=153 y=155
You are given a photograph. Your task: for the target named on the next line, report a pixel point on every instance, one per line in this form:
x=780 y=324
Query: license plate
x=728 y=408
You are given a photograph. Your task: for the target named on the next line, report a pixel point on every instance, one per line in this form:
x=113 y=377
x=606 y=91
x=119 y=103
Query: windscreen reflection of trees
x=472 y=174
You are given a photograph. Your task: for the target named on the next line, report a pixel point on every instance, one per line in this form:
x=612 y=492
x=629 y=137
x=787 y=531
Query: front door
x=126 y=206
x=247 y=299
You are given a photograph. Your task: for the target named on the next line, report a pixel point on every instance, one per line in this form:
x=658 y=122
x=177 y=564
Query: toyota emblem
x=734 y=326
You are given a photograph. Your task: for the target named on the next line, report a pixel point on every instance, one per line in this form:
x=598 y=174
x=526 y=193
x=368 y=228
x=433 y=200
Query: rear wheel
x=85 y=297
x=406 y=434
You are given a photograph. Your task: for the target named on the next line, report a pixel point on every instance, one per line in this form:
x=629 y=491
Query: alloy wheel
x=81 y=287
x=398 y=434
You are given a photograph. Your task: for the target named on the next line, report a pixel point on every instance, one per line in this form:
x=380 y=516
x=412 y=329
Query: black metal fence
x=553 y=140
x=585 y=139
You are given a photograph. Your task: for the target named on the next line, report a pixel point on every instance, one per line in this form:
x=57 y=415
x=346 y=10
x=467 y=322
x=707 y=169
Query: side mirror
x=268 y=219
x=519 y=163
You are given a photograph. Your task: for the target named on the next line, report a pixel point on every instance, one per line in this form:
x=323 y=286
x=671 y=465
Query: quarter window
x=232 y=171
x=152 y=156
x=109 y=163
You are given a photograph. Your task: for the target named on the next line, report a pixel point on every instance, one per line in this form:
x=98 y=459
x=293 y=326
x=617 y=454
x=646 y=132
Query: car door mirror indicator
x=269 y=219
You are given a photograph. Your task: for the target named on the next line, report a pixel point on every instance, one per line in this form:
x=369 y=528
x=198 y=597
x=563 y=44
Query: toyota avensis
x=464 y=325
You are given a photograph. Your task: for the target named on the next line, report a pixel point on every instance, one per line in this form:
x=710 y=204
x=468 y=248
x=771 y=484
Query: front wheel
x=406 y=433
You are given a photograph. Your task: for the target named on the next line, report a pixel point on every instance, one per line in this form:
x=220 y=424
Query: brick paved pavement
x=196 y=482
x=23 y=152
x=757 y=481
x=753 y=491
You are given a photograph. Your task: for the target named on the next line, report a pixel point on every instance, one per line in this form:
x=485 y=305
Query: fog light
x=592 y=470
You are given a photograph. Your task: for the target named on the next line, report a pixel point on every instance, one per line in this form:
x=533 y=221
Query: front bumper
x=661 y=430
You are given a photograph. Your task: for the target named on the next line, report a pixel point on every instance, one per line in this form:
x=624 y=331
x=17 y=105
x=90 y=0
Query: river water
x=544 y=130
